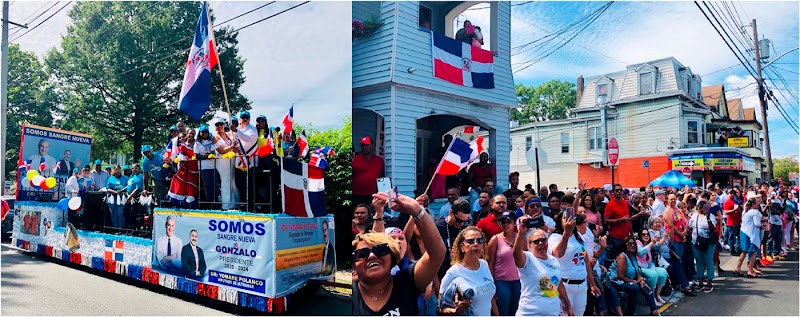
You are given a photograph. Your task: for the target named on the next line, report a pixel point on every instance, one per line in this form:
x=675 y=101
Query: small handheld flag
x=23 y=168
x=55 y=168
x=317 y=160
x=288 y=120
x=302 y=143
x=195 y=95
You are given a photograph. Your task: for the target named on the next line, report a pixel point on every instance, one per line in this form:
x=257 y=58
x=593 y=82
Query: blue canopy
x=674 y=179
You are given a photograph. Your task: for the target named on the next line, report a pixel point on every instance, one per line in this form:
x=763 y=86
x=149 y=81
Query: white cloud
x=298 y=56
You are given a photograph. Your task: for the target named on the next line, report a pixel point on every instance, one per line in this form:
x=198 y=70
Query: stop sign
x=687 y=171
x=613 y=151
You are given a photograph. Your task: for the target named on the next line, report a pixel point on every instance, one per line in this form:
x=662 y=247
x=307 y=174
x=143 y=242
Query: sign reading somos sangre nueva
x=244 y=251
x=52 y=153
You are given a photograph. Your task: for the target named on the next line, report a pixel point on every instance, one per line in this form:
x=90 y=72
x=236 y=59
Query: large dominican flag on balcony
x=461 y=63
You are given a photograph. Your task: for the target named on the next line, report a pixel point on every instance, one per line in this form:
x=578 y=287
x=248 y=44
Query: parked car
x=7 y=217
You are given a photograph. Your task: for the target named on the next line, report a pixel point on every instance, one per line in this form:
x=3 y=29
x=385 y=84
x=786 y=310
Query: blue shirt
x=157 y=161
x=123 y=180
x=136 y=181
x=113 y=183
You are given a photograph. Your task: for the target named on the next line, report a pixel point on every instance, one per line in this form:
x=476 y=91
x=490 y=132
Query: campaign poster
x=51 y=152
x=30 y=222
x=304 y=251
x=228 y=249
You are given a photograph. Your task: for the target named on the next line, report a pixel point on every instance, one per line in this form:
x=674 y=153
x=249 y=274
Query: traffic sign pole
x=613 y=156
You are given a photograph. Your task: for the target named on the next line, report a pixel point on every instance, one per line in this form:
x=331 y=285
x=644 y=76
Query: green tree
x=120 y=68
x=549 y=101
x=782 y=166
x=338 y=179
x=30 y=99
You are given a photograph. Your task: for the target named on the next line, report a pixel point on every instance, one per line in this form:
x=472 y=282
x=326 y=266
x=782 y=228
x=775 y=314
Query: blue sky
x=296 y=57
x=634 y=32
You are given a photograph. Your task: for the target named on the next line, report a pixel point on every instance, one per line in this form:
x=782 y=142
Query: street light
x=779 y=56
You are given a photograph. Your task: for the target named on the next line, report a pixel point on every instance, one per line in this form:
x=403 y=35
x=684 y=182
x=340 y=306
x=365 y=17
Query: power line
x=28 y=18
x=246 y=13
x=728 y=35
x=726 y=42
x=43 y=21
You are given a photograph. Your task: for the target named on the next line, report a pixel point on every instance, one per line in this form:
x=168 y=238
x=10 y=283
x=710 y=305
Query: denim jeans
x=676 y=274
x=508 y=293
x=633 y=290
x=732 y=234
x=427 y=307
x=775 y=238
x=615 y=247
x=704 y=262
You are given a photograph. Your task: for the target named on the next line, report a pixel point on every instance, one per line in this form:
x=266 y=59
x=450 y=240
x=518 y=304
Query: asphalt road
x=38 y=286
x=774 y=294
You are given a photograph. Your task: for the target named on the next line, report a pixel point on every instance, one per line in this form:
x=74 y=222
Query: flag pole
x=219 y=64
x=436 y=172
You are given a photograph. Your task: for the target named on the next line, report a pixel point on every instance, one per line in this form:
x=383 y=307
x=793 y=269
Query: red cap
x=366 y=140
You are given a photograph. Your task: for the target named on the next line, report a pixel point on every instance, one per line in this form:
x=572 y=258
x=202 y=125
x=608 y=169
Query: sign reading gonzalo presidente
x=220 y=248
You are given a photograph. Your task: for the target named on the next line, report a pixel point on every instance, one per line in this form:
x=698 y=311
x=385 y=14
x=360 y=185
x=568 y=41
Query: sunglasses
x=630 y=243
x=460 y=221
x=475 y=240
x=378 y=250
x=535 y=205
x=539 y=241
x=645 y=233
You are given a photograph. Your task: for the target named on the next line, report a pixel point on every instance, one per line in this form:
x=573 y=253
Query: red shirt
x=5 y=209
x=489 y=226
x=478 y=173
x=366 y=172
x=734 y=218
x=616 y=209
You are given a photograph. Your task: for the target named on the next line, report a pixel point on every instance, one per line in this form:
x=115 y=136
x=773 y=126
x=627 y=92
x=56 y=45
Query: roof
x=750 y=114
x=734 y=108
x=712 y=95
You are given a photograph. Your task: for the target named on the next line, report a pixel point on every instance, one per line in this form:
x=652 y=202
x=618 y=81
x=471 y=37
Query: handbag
x=701 y=243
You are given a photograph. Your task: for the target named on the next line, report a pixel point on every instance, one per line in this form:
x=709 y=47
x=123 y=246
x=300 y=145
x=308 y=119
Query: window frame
x=651 y=86
x=528 y=143
x=594 y=142
x=699 y=133
x=564 y=147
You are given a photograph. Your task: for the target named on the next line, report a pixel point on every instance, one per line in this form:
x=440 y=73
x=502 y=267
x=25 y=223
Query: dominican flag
x=303 y=190
x=459 y=155
x=114 y=250
x=461 y=63
x=23 y=168
x=302 y=143
x=196 y=90
x=317 y=160
x=58 y=165
x=288 y=120
x=42 y=165
x=328 y=151
x=471 y=129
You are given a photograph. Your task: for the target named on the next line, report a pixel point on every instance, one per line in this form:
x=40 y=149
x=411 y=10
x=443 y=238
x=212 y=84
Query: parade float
x=254 y=260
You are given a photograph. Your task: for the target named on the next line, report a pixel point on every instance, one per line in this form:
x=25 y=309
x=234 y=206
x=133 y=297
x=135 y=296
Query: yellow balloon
x=176 y=160
x=211 y=156
x=165 y=165
x=194 y=157
x=31 y=174
x=50 y=182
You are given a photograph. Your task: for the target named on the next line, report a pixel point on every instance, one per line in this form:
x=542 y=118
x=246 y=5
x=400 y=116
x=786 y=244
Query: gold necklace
x=375 y=298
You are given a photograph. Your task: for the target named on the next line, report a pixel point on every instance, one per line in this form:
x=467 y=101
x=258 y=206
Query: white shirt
x=549 y=222
x=480 y=281
x=161 y=247
x=658 y=208
x=196 y=258
x=100 y=179
x=751 y=225
x=205 y=147
x=700 y=226
x=573 y=263
x=248 y=138
x=539 y=291
x=72 y=187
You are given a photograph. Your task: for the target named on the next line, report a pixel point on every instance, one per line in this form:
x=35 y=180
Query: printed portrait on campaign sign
x=304 y=250
x=219 y=248
x=52 y=153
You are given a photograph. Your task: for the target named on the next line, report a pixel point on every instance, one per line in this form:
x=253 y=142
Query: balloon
x=30 y=183
x=165 y=165
x=38 y=180
x=44 y=186
x=194 y=158
x=211 y=156
x=74 y=203
x=176 y=160
x=51 y=182
x=31 y=174
x=63 y=204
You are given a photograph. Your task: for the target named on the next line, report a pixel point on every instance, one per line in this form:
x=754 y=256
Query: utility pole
x=763 y=101
x=4 y=92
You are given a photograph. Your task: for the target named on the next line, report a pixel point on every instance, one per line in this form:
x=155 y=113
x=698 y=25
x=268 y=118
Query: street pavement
x=37 y=286
x=774 y=294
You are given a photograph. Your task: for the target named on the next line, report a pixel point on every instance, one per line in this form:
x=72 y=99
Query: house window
x=646 y=83
x=425 y=17
x=528 y=143
x=595 y=139
x=564 y=143
x=694 y=131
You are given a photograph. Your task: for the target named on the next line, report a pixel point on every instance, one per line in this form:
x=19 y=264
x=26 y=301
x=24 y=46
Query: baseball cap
x=262 y=117
x=146 y=148
x=126 y=167
x=659 y=192
x=75 y=170
x=203 y=128
x=509 y=215
x=393 y=230
x=244 y=114
x=367 y=140
x=234 y=119
x=98 y=162
x=533 y=201
x=173 y=127
x=219 y=120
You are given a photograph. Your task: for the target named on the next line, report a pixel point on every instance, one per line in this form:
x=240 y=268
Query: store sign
x=742 y=141
x=727 y=164
x=694 y=164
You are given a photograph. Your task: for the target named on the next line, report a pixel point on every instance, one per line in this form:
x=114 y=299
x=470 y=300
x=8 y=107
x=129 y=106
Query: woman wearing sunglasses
x=568 y=246
x=468 y=286
x=501 y=263
x=533 y=209
x=540 y=275
x=376 y=291
x=630 y=280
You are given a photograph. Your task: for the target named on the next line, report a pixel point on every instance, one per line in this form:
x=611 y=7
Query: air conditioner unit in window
x=597 y=165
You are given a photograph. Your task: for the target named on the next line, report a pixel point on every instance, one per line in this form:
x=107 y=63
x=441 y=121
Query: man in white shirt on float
x=246 y=146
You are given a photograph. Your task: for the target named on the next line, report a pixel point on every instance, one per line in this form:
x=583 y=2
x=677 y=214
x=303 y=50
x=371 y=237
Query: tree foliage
x=338 y=179
x=120 y=68
x=782 y=166
x=30 y=99
x=549 y=101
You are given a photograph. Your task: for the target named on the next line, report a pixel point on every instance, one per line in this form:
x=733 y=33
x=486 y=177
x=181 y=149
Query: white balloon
x=38 y=180
x=75 y=203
